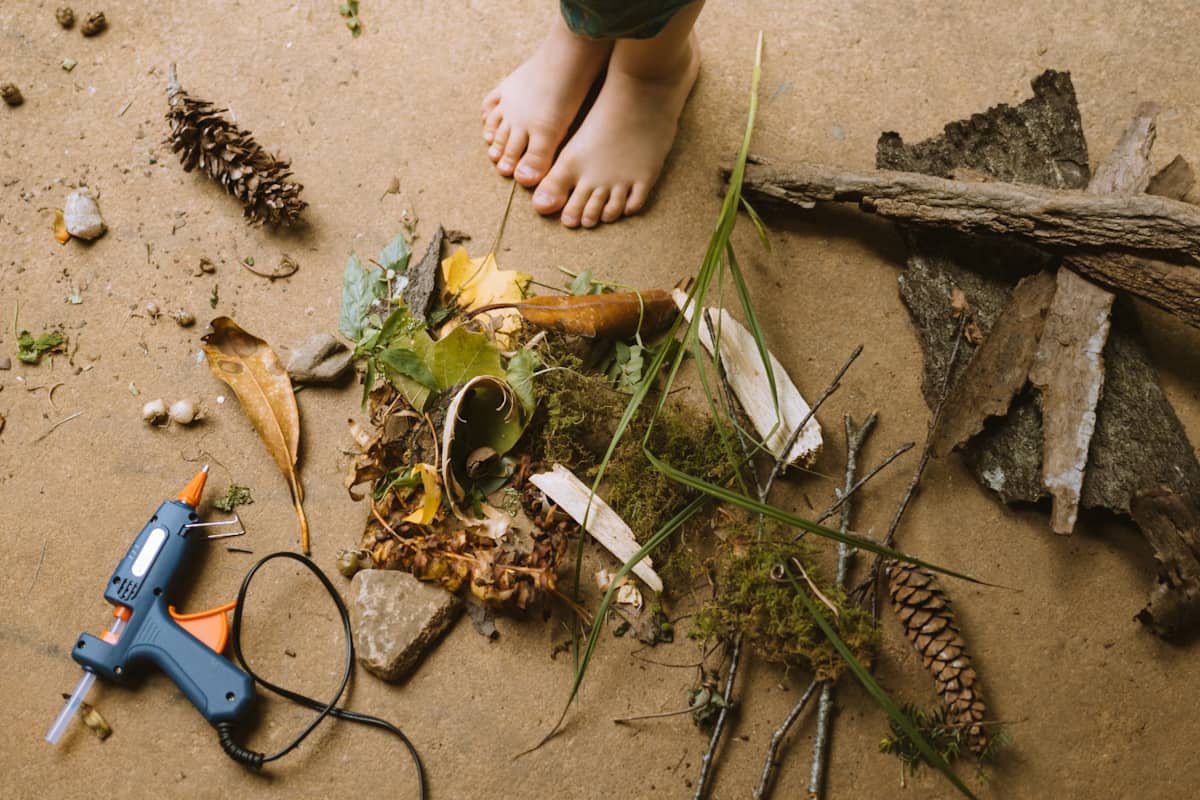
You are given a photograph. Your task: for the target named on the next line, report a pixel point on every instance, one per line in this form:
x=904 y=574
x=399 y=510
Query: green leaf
x=415 y=393
x=396 y=255
x=408 y=364
x=495 y=420
x=31 y=350
x=520 y=377
x=877 y=693
x=630 y=367
x=358 y=293
x=462 y=355
x=582 y=284
x=368 y=381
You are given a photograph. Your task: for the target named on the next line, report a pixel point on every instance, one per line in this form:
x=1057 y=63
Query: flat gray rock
x=81 y=215
x=320 y=359
x=396 y=619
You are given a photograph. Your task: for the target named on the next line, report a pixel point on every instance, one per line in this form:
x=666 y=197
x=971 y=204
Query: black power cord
x=251 y=758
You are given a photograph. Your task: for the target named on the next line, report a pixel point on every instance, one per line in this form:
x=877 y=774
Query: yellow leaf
x=431 y=503
x=60 y=227
x=477 y=282
x=257 y=377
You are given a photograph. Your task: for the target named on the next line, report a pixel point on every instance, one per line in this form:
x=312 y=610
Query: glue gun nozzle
x=192 y=492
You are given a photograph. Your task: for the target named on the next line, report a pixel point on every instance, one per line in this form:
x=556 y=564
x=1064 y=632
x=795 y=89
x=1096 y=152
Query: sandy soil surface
x=1098 y=707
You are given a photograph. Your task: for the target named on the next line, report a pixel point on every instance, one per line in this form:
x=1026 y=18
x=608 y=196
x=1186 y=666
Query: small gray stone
x=396 y=619
x=82 y=215
x=320 y=359
x=5 y=362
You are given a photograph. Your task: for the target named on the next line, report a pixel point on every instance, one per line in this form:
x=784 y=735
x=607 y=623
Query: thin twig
x=53 y=427
x=719 y=726
x=781 y=460
x=855 y=439
x=764 y=782
x=845 y=495
x=869 y=585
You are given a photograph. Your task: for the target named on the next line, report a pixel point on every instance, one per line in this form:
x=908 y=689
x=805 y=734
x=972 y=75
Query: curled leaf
x=615 y=316
x=431 y=500
x=258 y=378
x=60 y=227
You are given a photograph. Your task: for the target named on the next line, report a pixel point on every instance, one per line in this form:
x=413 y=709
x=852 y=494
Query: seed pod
x=11 y=94
x=65 y=17
x=154 y=411
x=94 y=24
x=183 y=412
x=924 y=610
x=185 y=319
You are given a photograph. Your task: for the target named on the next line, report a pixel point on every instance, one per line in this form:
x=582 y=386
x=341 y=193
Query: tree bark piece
x=1043 y=216
x=1068 y=370
x=1176 y=180
x=1171 y=287
x=1000 y=366
x=1139 y=443
x=1171 y=523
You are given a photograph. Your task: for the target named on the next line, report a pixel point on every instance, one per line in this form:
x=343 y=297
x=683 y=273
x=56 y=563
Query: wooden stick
x=1048 y=217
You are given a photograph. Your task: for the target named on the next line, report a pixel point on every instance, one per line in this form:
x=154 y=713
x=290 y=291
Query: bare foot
x=608 y=167
x=526 y=117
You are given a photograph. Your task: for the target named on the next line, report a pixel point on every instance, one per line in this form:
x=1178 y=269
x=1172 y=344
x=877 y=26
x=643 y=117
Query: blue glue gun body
x=142 y=588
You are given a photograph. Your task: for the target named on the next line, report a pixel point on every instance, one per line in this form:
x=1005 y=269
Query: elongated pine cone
x=924 y=610
x=230 y=156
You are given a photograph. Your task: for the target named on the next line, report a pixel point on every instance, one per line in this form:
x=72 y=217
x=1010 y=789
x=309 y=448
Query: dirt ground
x=1097 y=707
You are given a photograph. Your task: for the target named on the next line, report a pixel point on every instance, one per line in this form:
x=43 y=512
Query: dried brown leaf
x=259 y=379
x=617 y=316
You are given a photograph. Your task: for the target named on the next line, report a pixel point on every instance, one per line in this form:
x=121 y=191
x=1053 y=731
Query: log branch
x=1053 y=218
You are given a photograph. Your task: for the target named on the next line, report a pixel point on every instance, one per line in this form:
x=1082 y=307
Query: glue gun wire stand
x=145 y=629
x=225 y=730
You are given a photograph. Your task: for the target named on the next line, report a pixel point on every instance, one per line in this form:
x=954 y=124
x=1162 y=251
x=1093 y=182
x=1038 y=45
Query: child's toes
x=499 y=141
x=594 y=207
x=573 y=210
x=492 y=124
x=637 y=198
x=551 y=193
x=615 y=207
x=513 y=149
x=491 y=100
x=539 y=155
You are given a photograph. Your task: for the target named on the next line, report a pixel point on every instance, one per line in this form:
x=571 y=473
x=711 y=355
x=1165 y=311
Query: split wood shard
x=744 y=368
x=1069 y=366
x=570 y=494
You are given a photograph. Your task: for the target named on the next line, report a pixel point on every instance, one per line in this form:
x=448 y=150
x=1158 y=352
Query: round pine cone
x=94 y=24
x=65 y=17
x=11 y=94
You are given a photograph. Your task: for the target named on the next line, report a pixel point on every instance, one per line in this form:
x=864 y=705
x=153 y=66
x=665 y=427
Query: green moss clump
x=576 y=419
x=772 y=618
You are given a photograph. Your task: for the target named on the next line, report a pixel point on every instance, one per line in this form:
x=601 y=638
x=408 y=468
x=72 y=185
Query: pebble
x=82 y=215
x=320 y=359
x=5 y=362
x=396 y=619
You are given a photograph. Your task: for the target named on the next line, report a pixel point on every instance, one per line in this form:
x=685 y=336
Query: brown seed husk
x=65 y=17
x=230 y=156
x=924 y=611
x=11 y=94
x=94 y=25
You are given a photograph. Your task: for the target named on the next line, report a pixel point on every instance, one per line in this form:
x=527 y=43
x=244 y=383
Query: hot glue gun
x=146 y=628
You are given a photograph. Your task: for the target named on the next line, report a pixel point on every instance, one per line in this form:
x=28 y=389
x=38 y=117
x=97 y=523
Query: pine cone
x=928 y=621
x=231 y=157
x=65 y=17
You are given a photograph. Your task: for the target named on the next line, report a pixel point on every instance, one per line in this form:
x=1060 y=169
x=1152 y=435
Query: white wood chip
x=570 y=494
x=748 y=379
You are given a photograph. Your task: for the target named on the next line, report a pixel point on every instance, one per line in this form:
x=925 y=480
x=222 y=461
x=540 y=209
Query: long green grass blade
x=778 y=514
x=875 y=690
x=712 y=257
x=743 y=292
